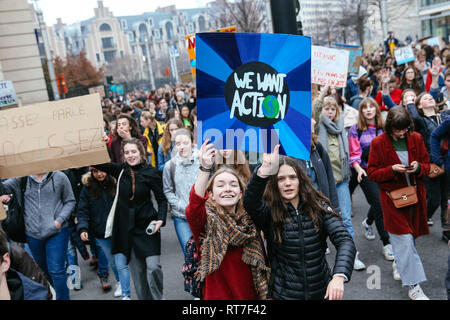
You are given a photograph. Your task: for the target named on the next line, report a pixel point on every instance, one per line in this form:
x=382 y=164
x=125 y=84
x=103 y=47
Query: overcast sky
x=77 y=10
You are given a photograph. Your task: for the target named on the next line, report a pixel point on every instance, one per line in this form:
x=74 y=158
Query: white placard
x=329 y=66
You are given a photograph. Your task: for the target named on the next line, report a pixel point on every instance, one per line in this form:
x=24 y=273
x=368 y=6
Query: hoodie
x=46 y=201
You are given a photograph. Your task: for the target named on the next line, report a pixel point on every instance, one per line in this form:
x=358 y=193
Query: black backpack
x=14 y=224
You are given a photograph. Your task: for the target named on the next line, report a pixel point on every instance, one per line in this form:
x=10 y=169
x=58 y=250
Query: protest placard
x=354 y=58
x=98 y=89
x=404 y=55
x=191 y=46
x=8 y=95
x=254 y=91
x=329 y=66
x=52 y=136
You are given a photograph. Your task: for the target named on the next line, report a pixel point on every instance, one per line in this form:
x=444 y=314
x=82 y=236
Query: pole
x=283 y=16
x=150 y=68
x=48 y=55
x=383 y=14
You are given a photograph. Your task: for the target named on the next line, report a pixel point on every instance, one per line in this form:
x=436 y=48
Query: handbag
x=435 y=171
x=404 y=197
x=112 y=212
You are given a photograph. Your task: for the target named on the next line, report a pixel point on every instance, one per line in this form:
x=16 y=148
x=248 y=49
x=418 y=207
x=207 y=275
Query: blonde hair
x=331 y=101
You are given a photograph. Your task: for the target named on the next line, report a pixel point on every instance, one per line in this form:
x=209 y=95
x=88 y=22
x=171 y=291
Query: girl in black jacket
x=133 y=214
x=96 y=200
x=296 y=220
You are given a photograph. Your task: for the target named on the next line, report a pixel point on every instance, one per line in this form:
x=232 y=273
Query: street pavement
x=374 y=283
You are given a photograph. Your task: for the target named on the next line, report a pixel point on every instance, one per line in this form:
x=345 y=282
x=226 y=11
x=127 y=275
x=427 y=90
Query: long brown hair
x=96 y=187
x=239 y=164
x=309 y=197
x=362 y=122
x=167 y=139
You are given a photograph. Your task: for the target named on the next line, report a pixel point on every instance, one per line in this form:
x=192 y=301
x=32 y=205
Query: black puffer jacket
x=299 y=267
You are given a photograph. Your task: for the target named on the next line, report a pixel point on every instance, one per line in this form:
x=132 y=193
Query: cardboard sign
x=404 y=55
x=186 y=77
x=191 y=46
x=436 y=41
x=52 y=136
x=329 y=66
x=99 y=89
x=8 y=95
x=254 y=91
x=354 y=59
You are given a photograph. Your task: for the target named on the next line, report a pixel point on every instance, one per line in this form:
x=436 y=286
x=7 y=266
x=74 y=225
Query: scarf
x=224 y=230
x=328 y=126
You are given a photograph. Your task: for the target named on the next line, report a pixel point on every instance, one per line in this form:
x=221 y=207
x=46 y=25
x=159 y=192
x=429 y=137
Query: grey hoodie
x=186 y=171
x=46 y=201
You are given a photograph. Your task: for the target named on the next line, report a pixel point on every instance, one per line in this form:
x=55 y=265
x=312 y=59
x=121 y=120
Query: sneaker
x=388 y=253
x=368 y=233
x=126 y=298
x=358 y=265
x=430 y=222
x=118 y=290
x=77 y=286
x=395 y=272
x=105 y=284
x=416 y=293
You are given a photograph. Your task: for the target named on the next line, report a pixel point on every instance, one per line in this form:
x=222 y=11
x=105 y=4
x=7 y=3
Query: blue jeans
x=50 y=255
x=345 y=204
x=72 y=259
x=105 y=248
x=103 y=270
x=124 y=273
x=183 y=232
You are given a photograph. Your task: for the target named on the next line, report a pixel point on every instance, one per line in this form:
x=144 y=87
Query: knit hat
x=362 y=72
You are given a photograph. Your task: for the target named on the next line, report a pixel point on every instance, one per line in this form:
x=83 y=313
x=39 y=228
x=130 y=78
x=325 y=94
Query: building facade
x=435 y=18
x=124 y=44
x=20 y=59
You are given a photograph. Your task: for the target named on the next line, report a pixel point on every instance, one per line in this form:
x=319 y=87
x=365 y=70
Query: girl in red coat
x=232 y=261
x=397 y=159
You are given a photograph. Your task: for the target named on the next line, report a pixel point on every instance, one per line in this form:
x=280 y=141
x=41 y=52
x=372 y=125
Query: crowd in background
x=381 y=132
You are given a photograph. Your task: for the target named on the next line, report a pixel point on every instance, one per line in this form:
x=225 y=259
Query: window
x=191 y=27
x=124 y=24
x=169 y=30
x=105 y=27
x=156 y=34
x=130 y=36
x=175 y=20
x=121 y=53
x=181 y=31
x=110 y=56
x=98 y=57
x=202 y=23
x=150 y=22
x=108 y=43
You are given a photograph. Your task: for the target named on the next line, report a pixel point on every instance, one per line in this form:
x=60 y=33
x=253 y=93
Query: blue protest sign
x=254 y=91
x=354 y=58
x=116 y=88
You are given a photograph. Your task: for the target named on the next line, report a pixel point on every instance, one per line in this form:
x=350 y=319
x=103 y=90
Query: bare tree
x=247 y=15
x=124 y=69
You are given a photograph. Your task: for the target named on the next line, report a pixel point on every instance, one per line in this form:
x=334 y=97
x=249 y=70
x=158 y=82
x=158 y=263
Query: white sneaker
x=388 y=253
x=358 y=264
x=368 y=232
x=126 y=298
x=416 y=293
x=395 y=272
x=118 y=290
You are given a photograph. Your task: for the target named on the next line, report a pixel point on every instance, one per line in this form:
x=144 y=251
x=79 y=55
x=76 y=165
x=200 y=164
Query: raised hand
x=270 y=163
x=207 y=154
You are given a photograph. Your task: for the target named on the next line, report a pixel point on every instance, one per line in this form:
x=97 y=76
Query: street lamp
x=149 y=61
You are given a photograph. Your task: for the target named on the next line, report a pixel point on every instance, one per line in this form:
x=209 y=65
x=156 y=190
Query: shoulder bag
x=404 y=197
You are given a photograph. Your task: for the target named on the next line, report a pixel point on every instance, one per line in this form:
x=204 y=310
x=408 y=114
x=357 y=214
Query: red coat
x=396 y=97
x=381 y=158
x=233 y=280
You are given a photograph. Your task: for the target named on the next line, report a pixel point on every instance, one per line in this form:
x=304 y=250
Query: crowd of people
x=260 y=230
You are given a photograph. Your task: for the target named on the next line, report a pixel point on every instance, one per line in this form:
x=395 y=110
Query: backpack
x=190 y=266
x=14 y=224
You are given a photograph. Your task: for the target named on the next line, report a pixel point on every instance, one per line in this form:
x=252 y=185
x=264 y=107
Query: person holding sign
x=232 y=260
x=133 y=215
x=296 y=220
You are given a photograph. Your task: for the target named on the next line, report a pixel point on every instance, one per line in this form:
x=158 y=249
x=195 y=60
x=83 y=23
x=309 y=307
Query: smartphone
x=409 y=167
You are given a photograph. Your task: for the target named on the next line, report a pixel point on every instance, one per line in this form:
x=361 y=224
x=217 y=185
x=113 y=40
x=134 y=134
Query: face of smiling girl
x=131 y=154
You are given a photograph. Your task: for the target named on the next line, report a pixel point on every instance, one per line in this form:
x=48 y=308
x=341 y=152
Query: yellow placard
x=191 y=46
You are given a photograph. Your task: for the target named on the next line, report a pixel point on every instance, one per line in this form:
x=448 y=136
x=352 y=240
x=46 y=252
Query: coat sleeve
x=376 y=170
x=343 y=242
x=254 y=203
x=437 y=136
x=354 y=147
x=67 y=198
x=331 y=182
x=196 y=213
x=419 y=122
x=10 y=186
x=83 y=211
x=111 y=168
x=423 y=159
x=168 y=187
x=156 y=186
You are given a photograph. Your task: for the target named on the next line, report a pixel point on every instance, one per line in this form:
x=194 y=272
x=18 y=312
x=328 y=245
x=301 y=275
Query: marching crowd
x=247 y=231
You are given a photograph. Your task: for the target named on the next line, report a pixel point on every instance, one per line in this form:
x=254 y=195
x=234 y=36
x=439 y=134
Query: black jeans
x=371 y=192
x=437 y=196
